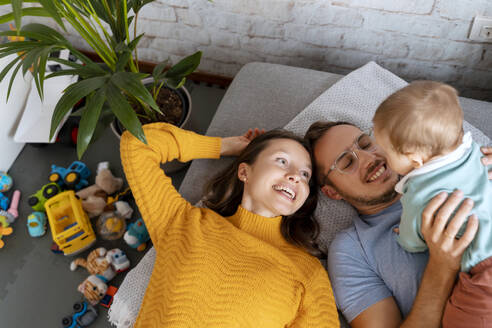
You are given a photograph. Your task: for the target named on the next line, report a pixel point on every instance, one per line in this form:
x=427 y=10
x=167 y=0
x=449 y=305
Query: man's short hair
x=424 y=117
x=313 y=134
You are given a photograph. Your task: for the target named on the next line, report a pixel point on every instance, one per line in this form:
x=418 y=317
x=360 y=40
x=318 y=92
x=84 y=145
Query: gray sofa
x=268 y=96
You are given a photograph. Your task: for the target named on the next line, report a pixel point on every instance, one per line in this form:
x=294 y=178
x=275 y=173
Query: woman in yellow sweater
x=248 y=267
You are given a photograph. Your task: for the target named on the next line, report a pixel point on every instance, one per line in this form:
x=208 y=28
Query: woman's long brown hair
x=224 y=193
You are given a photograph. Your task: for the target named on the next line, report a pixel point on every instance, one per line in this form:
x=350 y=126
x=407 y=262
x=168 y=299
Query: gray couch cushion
x=269 y=96
x=261 y=95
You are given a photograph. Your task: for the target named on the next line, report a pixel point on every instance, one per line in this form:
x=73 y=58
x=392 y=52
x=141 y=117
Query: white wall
x=416 y=39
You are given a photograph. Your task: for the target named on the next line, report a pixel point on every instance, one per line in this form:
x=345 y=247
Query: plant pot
x=175 y=165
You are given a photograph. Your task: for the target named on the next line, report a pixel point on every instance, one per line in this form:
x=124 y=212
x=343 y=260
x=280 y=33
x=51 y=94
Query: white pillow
x=353 y=99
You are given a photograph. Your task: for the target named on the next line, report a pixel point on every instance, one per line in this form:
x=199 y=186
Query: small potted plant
x=112 y=88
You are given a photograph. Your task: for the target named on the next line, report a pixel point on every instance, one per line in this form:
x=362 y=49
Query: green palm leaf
x=40 y=12
x=12 y=78
x=131 y=84
x=72 y=95
x=43 y=30
x=124 y=112
x=185 y=67
x=175 y=83
x=17 y=12
x=132 y=45
x=40 y=69
x=105 y=119
x=159 y=68
x=29 y=59
x=89 y=119
x=82 y=72
x=8 y=2
x=50 y=7
x=8 y=67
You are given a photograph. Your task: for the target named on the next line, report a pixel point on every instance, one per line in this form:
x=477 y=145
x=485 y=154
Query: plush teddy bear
x=94 y=198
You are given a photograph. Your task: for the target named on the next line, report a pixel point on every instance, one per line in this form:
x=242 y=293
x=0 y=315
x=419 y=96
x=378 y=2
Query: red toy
x=108 y=298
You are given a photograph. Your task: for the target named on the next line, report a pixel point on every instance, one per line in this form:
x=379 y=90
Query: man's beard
x=386 y=197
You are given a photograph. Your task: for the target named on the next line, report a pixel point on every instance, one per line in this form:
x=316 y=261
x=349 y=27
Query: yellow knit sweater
x=212 y=271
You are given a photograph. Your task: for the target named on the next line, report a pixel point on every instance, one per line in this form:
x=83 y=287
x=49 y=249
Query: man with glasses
x=377 y=283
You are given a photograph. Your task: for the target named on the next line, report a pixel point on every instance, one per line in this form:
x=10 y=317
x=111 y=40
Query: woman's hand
x=440 y=235
x=487 y=159
x=233 y=146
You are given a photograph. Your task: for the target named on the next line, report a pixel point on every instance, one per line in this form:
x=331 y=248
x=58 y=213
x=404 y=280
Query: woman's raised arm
x=157 y=199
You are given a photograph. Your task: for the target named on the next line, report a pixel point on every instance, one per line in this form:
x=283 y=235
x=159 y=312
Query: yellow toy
x=5 y=230
x=70 y=226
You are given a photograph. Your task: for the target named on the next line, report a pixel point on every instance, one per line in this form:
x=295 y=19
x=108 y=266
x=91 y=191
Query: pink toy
x=12 y=213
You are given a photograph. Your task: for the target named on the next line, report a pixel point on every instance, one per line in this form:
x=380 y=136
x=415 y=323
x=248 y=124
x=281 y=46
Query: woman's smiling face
x=277 y=183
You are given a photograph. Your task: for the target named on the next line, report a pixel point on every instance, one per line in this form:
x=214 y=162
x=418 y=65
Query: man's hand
x=233 y=146
x=440 y=235
x=439 y=228
x=444 y=249
x=487 y=159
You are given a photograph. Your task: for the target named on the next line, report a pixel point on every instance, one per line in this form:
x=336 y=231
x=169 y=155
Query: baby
x=420 y=127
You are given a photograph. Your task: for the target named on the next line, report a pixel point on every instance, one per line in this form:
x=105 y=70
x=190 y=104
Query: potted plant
x=112 y=88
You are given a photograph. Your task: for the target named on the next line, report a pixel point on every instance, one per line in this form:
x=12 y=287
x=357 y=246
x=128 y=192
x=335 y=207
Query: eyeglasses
x=348 y=161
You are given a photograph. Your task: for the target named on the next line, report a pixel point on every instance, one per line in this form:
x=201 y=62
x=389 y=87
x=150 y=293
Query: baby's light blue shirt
x=470 y=176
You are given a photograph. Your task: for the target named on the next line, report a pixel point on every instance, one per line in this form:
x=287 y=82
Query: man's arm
x=439 y=276
x=445 y=253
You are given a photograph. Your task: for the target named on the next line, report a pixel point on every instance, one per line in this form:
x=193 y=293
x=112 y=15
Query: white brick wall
x=419 y=7
x=416 y=39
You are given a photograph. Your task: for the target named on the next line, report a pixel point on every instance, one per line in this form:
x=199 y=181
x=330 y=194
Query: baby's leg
x=470 y=304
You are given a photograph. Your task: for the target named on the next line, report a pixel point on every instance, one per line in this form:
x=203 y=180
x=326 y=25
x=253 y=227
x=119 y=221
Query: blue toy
x=74 y=177
x=36 y=224
x=5 y=181
x=137 y=235
x=84 y=314
x=4 y=202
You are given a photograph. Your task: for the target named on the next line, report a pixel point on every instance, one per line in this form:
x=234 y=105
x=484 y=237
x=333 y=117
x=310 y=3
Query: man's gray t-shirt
x=366 y=265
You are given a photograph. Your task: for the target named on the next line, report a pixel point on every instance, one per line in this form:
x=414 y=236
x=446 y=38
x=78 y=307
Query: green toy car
x=37 y=200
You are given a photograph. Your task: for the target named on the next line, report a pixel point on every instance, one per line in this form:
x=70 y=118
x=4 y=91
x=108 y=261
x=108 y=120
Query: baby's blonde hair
x=424 y=117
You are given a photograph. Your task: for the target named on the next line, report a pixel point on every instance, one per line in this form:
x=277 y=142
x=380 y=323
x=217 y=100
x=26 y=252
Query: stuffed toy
x=95 y=198
x=93 y=289
x=96 y=264
x=5 y=230
x=101 y=264
x=137 y=235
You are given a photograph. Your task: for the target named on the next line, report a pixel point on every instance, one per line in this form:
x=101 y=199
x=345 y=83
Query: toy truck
x=37 y=200
x=74 y=177
x=84 y=314
x=36 y=224
x=70 y=226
